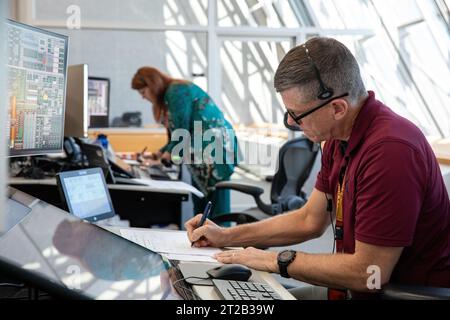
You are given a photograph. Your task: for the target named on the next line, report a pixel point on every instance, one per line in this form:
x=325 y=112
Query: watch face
x=286 y=255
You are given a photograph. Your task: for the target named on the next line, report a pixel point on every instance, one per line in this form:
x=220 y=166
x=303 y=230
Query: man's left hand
x=251 y=257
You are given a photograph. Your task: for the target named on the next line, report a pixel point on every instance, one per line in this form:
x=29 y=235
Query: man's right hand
x=208 y=235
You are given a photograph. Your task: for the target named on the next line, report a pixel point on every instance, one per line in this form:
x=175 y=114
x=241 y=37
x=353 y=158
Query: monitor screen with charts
x=86 y=194
x=62 y=255
x=36 y=89
x=98 y=93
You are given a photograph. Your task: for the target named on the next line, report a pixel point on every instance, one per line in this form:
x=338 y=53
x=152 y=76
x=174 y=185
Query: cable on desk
x=176 y=285
x=15 y=285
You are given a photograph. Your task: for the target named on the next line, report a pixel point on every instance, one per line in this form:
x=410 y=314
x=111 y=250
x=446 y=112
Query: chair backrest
x=295 y=161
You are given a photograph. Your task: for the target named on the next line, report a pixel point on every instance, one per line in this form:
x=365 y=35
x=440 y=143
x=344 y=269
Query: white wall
x=4 y=8
x=117 y=37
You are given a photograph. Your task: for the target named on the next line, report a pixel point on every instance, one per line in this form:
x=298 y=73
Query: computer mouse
x=236 y=272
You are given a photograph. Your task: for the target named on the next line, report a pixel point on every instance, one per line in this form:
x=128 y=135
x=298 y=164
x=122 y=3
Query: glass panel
x=250 y=101
x=398 y=13
x=413 y=29
x=108 y=54
x=382 y=73
x=136 y=12
x=420 y=36
x=4 y=8
x=326 y=14
x=248 y=68
x=429 y=70
x=274 y=14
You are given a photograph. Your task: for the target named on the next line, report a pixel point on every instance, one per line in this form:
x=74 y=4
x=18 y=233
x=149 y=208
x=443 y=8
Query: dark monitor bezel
x=14 y=271
x=35 y=152
x=53 y=286
x=60 y=177
x=100 y=121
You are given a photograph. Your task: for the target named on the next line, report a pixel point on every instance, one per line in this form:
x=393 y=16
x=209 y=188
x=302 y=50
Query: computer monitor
x=71 y=258
x=76 y=117
x=86 y=194
x=99 y=89
x=36 y=87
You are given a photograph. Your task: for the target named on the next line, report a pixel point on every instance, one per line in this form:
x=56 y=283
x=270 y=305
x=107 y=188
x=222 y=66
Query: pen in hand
x=205 y=216
x=140 y=156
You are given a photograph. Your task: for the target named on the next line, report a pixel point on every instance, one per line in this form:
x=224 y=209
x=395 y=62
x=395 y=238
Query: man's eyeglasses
x=325 y=93
x=299 y=117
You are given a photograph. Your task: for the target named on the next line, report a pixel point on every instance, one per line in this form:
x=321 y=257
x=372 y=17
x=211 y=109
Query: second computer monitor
x=76 y=119
x=99 y=89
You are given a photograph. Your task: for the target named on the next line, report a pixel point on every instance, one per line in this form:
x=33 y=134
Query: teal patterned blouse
x=190 y=108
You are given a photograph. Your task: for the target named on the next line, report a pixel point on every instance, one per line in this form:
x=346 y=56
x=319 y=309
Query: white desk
x=209 y=293
x=52 y=182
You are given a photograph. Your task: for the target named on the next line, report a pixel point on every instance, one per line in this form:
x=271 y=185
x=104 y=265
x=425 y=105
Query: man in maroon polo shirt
x=379 y=177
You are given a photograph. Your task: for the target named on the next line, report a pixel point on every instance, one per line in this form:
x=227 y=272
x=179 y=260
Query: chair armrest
x=244 y=188
x=239 y=218
x=250 y=190
x=408 y=292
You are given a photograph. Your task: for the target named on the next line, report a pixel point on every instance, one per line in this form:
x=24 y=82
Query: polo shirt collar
x=368 y=112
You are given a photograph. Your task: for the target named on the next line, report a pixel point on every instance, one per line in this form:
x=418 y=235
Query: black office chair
x=295 y=161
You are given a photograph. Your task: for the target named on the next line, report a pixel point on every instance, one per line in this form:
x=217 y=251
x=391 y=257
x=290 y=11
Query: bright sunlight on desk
x=193 y=262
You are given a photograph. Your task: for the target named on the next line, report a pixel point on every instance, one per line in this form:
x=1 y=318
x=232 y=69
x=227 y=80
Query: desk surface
x=129 y=187
x=209 y=293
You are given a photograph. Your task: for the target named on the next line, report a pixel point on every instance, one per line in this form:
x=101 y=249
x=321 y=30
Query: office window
x=108 y=54
x=407 y=61
x=247 y=69
x=389 y=80
x=274 y=14
x=346 y=14
x=126 y=13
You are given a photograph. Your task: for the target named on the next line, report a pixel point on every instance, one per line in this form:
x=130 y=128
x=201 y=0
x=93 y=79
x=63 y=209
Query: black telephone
x=73 y=150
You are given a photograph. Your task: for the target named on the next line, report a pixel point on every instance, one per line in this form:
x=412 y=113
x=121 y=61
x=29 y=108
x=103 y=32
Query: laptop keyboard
x=243 y=290
x=140 y=173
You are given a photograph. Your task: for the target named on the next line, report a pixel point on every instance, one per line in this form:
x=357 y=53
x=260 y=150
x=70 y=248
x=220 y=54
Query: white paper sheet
x=167 y=242
x=170 y=185
x=185 y=257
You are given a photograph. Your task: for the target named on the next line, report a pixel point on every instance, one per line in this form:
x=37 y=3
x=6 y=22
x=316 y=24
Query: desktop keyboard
x=243 y=290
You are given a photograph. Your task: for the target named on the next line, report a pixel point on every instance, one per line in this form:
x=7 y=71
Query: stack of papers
x=174 y=245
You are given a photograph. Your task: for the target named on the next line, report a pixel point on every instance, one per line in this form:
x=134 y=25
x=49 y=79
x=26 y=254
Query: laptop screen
x=86 y=194
x=75 y=255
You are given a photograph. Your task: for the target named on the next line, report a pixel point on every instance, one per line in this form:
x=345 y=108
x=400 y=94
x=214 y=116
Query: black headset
x=324 y=91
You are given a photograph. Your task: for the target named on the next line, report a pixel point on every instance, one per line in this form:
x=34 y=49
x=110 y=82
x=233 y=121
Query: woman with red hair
x=181 y=104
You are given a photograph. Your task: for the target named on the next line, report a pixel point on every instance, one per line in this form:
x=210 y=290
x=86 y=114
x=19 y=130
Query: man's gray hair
x=336 y=64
